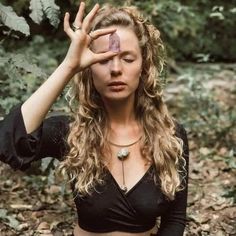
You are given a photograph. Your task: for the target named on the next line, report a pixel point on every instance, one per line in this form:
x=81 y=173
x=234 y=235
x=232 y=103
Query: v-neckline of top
x=134 y=186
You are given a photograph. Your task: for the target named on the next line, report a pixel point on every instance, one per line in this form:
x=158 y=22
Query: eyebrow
x=123 y=53
x=128 y=52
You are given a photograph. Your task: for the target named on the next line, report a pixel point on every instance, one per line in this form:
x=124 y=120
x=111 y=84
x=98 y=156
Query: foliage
x=10 y=19
x=51 y=11
x=39 y=10
x=10 y=219
x=23 y=71
x=195 y=29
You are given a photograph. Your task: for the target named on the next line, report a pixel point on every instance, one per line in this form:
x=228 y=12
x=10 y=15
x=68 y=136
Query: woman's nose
x=115 y=66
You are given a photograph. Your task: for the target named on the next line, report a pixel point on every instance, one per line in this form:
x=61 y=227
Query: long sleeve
x=174 y=221
x=19 y=149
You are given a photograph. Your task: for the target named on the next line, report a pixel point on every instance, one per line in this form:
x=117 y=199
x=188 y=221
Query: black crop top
x=108 y=208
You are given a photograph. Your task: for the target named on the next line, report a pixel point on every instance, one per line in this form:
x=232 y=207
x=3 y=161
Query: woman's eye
x=128 y=60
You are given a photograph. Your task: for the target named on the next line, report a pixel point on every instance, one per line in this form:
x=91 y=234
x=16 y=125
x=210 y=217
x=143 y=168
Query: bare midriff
x=80 y=232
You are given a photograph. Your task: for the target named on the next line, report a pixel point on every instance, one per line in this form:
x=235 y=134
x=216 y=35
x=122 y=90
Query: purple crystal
x=114 y=42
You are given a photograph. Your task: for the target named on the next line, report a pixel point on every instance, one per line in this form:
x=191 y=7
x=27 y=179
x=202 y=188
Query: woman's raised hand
x=79 y=55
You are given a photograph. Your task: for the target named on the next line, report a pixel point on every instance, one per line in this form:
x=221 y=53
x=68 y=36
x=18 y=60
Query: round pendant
x=123 y=154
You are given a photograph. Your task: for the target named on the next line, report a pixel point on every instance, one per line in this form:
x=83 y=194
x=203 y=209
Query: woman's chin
x=116 y=97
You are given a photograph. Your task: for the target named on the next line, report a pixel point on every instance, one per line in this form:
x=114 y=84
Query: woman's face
x=118 y=78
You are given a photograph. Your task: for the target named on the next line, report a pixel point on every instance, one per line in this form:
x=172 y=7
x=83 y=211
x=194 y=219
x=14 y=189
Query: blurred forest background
x=200 y=90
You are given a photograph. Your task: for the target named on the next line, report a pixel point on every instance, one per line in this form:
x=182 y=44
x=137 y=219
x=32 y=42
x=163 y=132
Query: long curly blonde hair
x=87 y=136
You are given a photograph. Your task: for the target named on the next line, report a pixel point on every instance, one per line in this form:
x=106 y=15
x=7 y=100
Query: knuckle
x=95 y=34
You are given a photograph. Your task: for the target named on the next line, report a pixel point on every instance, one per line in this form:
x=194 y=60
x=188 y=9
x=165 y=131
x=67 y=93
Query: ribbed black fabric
x=108 y=209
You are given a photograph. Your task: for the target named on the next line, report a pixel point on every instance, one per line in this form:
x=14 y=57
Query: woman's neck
x=123 y=125
x=120 y=113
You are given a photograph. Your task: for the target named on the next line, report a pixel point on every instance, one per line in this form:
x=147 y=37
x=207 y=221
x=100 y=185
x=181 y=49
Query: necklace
x=122 y=155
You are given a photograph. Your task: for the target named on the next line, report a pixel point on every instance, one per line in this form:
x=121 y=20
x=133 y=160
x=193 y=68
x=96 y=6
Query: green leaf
x=233 y=10
x=52 y=12
x=9 y=220
x=13 y=222
x=9 y=18
x=218 y=15
x=36 y=8
x=46 y=163
x=3 y=60
x=3 y=213
x=20 y=61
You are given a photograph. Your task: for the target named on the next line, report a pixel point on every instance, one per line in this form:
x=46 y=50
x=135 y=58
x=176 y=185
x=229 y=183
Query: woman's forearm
x=36 y=107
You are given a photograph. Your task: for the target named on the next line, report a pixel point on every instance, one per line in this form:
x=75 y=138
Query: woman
x=126 y=157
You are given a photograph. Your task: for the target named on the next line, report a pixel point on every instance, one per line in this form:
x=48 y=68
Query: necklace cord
x=127 y=145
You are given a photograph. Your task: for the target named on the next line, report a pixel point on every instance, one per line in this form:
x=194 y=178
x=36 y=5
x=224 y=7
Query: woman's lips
x=117 y=86
x=114 y=83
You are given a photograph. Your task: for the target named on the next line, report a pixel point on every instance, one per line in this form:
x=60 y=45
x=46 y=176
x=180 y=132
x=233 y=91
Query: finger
x=104 y=56
x=100 y=32
x=89 y=18
x=80 y=14
x=67 y=27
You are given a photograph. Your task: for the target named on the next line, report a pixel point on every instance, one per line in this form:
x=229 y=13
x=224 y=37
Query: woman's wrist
x=69 y=68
